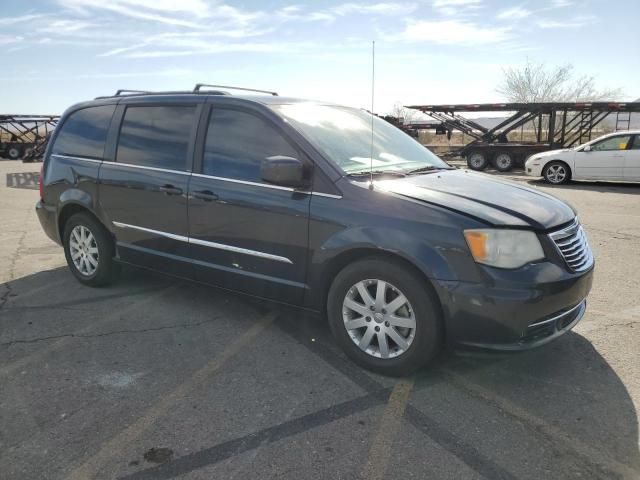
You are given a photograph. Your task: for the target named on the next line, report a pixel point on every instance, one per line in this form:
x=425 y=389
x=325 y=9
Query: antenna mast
x=373 y=77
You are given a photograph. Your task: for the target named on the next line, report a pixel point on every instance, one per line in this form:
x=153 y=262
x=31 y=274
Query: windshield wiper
x=377 y=173
x=428 y=168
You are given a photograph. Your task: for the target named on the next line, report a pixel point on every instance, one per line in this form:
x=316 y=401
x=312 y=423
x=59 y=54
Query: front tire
x=557 y=173
x=384 y=316
x=89 y=250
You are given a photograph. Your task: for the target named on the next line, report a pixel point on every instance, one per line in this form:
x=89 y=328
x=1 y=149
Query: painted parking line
x=125 y=438
x=43 y=351
x=376 y=395
x=456 y=446
x=390 y=422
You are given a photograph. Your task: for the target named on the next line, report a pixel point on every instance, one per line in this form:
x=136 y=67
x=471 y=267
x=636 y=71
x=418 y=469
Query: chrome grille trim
x=572 y=244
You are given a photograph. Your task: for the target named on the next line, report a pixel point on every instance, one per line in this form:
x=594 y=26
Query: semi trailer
x=555 y=125
x=24 y=136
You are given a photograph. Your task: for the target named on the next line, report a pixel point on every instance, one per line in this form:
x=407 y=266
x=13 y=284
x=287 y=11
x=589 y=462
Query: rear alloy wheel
x=557 y=173
x=384 y=316
x=503 y=162
x=477 y=161
x=89 y=250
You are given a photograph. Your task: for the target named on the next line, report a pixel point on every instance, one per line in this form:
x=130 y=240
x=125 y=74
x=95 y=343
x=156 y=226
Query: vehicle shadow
x=565 y=395
x=28 y=180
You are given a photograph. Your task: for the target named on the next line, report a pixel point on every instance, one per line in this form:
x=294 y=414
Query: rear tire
x=503 y=162
x=477 y=161
x=395 y=342
x=556 y=173
x=89 y=250
x=14 y=153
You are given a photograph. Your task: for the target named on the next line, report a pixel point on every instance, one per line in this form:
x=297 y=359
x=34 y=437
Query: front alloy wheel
x=379 y=318
x=556 y=173
x=385 y=315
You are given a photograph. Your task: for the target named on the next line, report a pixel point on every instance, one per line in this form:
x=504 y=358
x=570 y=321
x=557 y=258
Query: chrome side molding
x=205 y=243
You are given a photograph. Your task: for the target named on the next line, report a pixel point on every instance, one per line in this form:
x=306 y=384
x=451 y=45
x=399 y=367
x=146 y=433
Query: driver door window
x=611 y=144
x=605 y=160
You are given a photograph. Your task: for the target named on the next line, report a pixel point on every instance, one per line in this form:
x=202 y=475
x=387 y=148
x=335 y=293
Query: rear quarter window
x=84 y=132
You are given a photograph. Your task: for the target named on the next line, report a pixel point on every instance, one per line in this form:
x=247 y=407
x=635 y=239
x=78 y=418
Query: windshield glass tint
x=344 y=135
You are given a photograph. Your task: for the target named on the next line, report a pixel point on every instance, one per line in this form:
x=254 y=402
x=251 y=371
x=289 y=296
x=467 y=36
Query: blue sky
x=58 y=52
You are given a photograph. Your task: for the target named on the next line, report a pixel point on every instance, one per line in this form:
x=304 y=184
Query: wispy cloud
x=453 y=32
x=561 y=3
x=6 y=21
x=514 y=13
x=575 y=22
x=451 y=8
x=8 y=39
x=383 y=8
x=206 y=48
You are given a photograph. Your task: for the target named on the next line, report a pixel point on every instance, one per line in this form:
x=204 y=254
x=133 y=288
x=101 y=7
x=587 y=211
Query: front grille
x=573 y=246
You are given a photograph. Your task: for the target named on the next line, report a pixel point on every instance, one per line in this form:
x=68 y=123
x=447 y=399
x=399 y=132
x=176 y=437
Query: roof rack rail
x=199 y=86
x=126 y=90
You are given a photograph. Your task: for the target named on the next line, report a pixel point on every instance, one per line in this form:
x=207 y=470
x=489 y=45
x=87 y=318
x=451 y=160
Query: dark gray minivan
x=273 y=197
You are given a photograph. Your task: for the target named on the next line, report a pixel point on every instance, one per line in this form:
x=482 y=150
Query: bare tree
x=538 y=83
x=406 y=115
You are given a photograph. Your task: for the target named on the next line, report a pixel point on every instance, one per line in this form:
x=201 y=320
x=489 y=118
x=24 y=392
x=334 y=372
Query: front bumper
x=511 y=317
x=533 y=170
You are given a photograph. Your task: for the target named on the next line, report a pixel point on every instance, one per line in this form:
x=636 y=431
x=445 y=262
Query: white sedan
x=614 y=157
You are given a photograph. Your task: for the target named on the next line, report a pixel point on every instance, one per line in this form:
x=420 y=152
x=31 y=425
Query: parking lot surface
x=157 y=378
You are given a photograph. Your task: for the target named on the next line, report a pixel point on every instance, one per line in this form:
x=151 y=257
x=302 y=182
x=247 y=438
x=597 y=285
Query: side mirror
x=281 y=170
x=587 y=148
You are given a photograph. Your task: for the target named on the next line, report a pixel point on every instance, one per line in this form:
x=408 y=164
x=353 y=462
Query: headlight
x=504 y=248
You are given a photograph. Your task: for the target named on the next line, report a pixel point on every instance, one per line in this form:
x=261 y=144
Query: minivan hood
x=484 y=197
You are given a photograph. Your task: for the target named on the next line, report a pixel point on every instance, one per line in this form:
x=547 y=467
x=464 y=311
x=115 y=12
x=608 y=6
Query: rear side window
x=84 y=132
x=156 y=136
x=237 y=142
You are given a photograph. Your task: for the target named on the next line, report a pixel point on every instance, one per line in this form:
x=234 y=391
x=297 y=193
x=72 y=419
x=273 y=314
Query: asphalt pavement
x=158 y=378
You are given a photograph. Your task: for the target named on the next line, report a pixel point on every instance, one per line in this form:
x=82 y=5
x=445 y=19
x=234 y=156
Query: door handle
x=171 y=190
x=206 y=195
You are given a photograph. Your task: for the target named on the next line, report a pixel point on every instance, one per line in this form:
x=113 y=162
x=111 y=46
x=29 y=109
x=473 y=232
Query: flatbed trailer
x=556 y=125
x=25 y=136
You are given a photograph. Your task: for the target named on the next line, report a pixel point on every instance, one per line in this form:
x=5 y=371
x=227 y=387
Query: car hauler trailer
x=25 y=136
x=555 y=124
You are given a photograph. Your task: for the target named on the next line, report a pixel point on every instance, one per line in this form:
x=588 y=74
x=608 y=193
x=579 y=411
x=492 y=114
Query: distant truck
x=24 y=136
x=556 y=125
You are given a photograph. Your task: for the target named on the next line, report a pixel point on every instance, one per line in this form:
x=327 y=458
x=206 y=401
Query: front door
x=144 y=191
x=632 y=161
x=605 y=160
x=245 y=234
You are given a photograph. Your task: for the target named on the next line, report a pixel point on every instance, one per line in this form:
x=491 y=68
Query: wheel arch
x=69 y=209
x=340 y=261
x=558 y=160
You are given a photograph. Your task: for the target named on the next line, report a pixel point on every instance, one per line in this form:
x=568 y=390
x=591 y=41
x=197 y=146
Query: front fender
x=431 y=260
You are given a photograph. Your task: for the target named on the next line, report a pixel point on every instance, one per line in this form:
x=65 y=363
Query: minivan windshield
x=344 y=135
